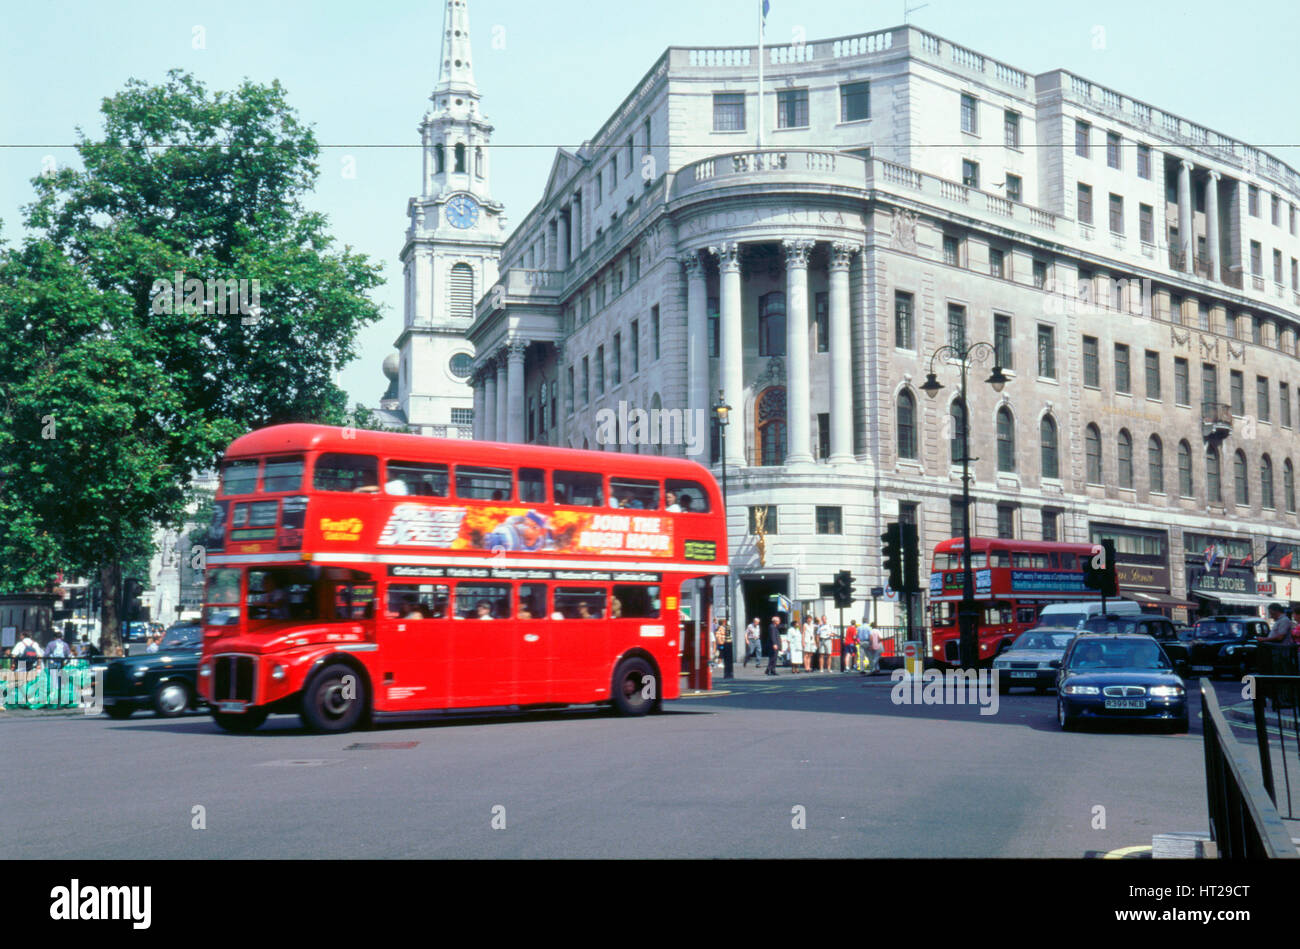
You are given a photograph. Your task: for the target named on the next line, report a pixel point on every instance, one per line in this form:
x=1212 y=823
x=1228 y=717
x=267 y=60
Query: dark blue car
x=1118 y=676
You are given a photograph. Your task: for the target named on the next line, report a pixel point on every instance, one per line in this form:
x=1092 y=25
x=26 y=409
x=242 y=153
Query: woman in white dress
x=795 y=642
x=809 y=644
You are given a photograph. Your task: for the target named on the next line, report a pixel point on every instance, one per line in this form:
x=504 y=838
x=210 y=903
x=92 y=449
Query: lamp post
x=967 y=612
x=722 y=412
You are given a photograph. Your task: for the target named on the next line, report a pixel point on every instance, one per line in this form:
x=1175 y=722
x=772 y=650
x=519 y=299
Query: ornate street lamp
x=967 y=612
x=722 y=412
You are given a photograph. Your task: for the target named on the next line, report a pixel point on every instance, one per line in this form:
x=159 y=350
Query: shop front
x=1284 y=573
x=1142 y=568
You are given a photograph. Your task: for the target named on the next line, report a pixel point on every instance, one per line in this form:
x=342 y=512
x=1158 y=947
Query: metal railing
x=1276 y=678
x=1244 y=824
x=55 y=683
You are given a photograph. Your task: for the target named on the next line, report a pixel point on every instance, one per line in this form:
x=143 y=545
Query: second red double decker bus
x=357 y=575
x=1014 y=580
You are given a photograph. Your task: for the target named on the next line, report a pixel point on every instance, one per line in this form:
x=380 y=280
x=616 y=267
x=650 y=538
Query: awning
x=1155 y=599
x=1237 y=599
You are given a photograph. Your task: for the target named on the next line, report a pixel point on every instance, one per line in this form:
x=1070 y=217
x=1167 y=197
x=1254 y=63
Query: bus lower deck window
x=532 y=601
x=417 y=600
x=580 y=602
x=634 y=602
x=482 y=601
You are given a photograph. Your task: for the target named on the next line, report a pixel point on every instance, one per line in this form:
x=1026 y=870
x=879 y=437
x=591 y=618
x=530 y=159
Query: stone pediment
x=565 y=166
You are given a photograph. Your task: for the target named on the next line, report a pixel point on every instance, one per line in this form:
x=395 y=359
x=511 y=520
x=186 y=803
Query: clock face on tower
x=462 y=211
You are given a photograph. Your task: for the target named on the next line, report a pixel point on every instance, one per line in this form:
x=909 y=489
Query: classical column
x=697 y=336
x=477 y=382
x=488 y=378
x=515 y=390
x=561 y=405
x=841 y=354
x=1212 y=225
x=797 y=391
x=1185 y=242
x=733 y=357
x=503 y=397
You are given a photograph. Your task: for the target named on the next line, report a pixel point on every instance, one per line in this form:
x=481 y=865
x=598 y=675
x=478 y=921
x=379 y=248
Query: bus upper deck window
x=999 y=558
x=687 y=496
x=416 y=478
x=1068 y=562
x=484 y=484
x=578 y=488
x=336 y=471
x=239 y=477
x=283 y=474
x=630 y=493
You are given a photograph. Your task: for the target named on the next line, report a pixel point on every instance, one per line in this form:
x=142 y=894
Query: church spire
x=456 y=74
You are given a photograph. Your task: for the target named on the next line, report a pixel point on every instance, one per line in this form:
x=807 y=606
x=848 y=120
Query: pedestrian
x=774 y=645
x=864 y=645
x=753 y=644
x=28 y=653
x=153 y=643
x=807 y=636
x=795 y=637
x=825 y=634
x=720 y=638
x=1278 y=652
x=874 y=648
x=849 y=650
x=58 y=650
x=1280 y=630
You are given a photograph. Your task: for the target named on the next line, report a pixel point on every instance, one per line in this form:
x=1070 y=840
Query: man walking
x=753 y=647
x=774 y=645
x=849 y=650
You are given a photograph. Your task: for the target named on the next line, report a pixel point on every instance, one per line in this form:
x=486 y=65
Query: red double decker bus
x=1014 y=580
x=357 y=575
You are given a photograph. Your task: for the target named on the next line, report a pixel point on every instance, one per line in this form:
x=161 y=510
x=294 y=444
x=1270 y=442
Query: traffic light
x=892 y=556
x=131 y=607
x=1099 y=569
x=911 y=581
x=843 y=589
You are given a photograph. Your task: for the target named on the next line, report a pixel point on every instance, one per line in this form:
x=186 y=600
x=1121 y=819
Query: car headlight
x=277 y=672
x=1229 y=650
x=1082 y=690
x=1167 y=691
x=1001 y=664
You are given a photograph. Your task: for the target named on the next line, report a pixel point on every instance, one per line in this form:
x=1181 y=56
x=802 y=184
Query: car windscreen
x=1101 y=654
x=1110 y=624
x=1072 y=620
x=181 y=637
x=1220 y=629
x=1042 y=640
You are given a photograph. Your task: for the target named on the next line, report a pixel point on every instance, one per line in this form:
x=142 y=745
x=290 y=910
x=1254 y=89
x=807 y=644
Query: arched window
x=1213 y=488
x=771 y=324
x=1240 y=479
x=460 y=157
x=769 y=424
x=1092 y=452
x=478 y=161
x=1266 y=482
x=461 y=289
x=1288 y=485
x=1124 y=458
x=440 y=158
x=1051 y=455
x=1185 y=485
x=1006 y=440
x=906 y=425
x=1156 y=464
x=958 y=414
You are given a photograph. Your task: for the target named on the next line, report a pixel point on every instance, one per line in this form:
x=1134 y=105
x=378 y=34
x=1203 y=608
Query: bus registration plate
x=1126 y=703
x=232 y=706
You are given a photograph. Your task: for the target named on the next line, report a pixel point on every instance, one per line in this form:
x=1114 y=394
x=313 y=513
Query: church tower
x=452 y=247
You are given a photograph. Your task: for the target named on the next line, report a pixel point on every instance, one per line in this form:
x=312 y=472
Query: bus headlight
x=205 y=670
x=278 y=672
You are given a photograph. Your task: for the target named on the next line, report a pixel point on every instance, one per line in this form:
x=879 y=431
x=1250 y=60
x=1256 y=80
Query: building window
x=461 y=291
x=1266 y=482
x=1011 y=129
x=569 y=393
x=1092 y=452
x=1006 y=521
x=1256 y=330
x=771 y=324
x=906 y=425
x=997 y=263
x=1209 y=384
x=1203 y=315
x=957 y=327
x=634 y=345
x=904 y=326
x=1014 y=190
x=823 y=435
x=1124 y=458
x=1175 y=309
x=728 y=112
x=1252 y=200
x=956 y=520
x=1123 y=382
x=1284 y=404
x=714 y=328
x=1288 y=485
x=1146 y=224
x=1261 y=399
x=647 y=128
x=1050 y=453
x=951 y=251
x=1040 y=275
x=1213 y=486
x=1240 y=479
x=1091 y=363
x=600 y=370
x=462 y=417
x=1182 y=385
x=617 y=373
x=1256 y=258
x=1277 y=211
x=459 y=152
x=1144 y=161
x=1156 y=465
x=1116 y=214
x=1277 y=267
x=1051 y=524
x=1046 y=351
x=769 y=518
x=1185 y=485
x=957 y=411
x=1085 y=203
x=969 y=114
x=1081 y=132
x=1112 y=150
x=586 y=380
x=970 y=173
x=770 y=423
x=1006 y=440
x=1002 y=340
x=1237 y=392
x=828 y=520
x=822 y=320
x=792 y=108
x=631 y=156
x=654 y=329
x=855 y=101
x=600 y=186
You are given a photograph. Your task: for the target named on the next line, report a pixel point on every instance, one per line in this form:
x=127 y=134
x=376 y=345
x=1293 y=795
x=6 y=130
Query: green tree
x=170 y=295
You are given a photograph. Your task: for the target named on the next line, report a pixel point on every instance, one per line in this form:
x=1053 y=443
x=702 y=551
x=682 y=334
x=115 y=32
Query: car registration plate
x=1202 y=668
x=1024 y=675
x=232 y=706
x=1126 y=703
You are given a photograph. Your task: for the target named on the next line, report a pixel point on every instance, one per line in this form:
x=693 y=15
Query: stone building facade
x=1134 y=273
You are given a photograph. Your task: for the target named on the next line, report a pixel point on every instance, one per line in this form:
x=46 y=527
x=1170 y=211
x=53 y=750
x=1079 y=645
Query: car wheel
x=1067 y=721
x=171 y=699
x=240 y=723
x=334 y=700
x=119 y=712
x=629 y=691
x=1004 y=685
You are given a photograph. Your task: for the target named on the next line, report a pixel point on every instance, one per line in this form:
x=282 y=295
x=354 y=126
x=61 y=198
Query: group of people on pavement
x=807 y=647
x=28 y=655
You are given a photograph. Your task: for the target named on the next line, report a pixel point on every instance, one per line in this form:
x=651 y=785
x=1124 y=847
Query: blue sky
x=362 y=73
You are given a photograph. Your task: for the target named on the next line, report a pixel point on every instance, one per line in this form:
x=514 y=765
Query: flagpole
x=760 y=75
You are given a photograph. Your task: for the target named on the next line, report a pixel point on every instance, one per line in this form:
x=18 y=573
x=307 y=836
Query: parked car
x=137 y=632
x=1033 y=659
x=1118 y=676
x=165 y=681
x=1224 y=645
x=1162 y=630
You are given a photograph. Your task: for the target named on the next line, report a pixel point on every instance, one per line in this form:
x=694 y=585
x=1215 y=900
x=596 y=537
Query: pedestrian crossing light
x=843 y=589
x=892 y=555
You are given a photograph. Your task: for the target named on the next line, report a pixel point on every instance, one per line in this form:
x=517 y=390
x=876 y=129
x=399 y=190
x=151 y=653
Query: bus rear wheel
x=635 y=688
x=334 y=700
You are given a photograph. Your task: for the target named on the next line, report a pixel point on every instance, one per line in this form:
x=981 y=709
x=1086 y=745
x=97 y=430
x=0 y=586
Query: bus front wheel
x=334 y=699
x=240 y=723
x=635 y=688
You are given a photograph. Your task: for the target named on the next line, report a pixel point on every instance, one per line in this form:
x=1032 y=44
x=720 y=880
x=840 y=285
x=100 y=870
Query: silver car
x=1033 y=659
